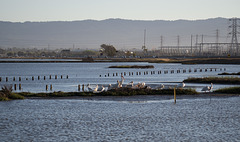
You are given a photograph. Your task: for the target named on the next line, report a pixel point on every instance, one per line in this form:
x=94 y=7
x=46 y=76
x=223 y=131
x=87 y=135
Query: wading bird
x=207 y=88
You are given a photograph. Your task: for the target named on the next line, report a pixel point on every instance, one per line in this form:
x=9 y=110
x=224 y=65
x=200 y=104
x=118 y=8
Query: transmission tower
x=234 y=43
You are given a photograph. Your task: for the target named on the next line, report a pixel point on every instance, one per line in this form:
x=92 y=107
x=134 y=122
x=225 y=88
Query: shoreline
x=182 y=60
x=138 y=97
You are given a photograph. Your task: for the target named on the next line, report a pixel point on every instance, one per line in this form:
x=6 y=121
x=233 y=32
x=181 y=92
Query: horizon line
x=200 y=19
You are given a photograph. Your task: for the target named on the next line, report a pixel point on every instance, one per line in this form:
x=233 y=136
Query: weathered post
x=175 y=98
x=44 y=77
x=51 y=87
x=14 y=78
x=20 y=86
x=83 y=87
x=61 y=77
x=20 y=79
x=15 y=86
x=6 y=79
x=79 y=87
x=55 y=76
x=38 y=77
x=50 y=77
x=32 y=78
x=46 y=87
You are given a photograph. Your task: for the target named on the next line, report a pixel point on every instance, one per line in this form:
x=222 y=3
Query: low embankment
x=216 y=80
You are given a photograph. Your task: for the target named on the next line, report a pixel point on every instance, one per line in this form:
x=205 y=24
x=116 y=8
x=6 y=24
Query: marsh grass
x=225 y=73
x=230 y=90
x=6 y=94
x=216 y=80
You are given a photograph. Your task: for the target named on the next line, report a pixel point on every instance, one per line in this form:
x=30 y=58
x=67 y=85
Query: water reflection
x=155 y=119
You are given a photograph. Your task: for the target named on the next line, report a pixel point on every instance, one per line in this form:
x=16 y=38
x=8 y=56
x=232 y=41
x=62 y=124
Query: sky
x=72 y=10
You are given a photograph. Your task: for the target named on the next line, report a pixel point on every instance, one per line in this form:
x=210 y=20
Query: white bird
x=161 y=87
x=130 y=85
x=101 y=89
x=91 y=89
x=181 y=85
x=207 y=88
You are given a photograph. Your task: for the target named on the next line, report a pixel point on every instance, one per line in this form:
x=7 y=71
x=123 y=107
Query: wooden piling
x=14 y=78
x=32 y=78
x=175 y=96
x=61 y=76
x=50 y=77
x=46 y=87
x=79 y=87
x=38 y=77
x=55 y=76
x=20 y=79
x=83 y=87
x=20 y=86
x=44 y=77
x=113 y=74
x=116 y=74
x=15 y=86
x=51 y=87
x=6 y=79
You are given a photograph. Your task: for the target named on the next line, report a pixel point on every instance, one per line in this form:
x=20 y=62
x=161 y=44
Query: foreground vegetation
x=230 y=90
x=225 y=73
x=7 y=94
x=216 y=80
x=114 y=92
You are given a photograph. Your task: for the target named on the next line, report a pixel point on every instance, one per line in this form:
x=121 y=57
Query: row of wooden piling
x=160 y=72
x=48 y=87
x=32 y=78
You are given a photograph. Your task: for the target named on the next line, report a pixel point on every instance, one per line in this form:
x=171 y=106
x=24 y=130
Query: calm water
x=85 y=73
x=142 y=118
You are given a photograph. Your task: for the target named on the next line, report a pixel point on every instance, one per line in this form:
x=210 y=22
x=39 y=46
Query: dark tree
x=108 y=50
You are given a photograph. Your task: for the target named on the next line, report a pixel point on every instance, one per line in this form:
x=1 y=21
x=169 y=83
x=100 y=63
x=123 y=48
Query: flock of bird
x=119 y=84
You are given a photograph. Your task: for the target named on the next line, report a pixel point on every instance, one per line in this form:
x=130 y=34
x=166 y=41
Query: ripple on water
x=106 y=120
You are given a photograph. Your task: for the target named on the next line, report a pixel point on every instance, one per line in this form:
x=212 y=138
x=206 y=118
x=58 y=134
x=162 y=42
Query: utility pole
x=161 y=43
x=201 y=47
x=191 y=44
x=217 y=40
x=196 y=41
x=178 y=44
x=234 y=32
x=144 y=42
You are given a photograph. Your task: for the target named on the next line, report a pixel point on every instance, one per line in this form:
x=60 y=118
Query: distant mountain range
x=123 y=34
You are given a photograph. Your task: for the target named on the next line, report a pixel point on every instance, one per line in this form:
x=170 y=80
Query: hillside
x=123 y=34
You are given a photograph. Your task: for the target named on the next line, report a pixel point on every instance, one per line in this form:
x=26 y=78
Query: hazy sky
x=70 y=10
